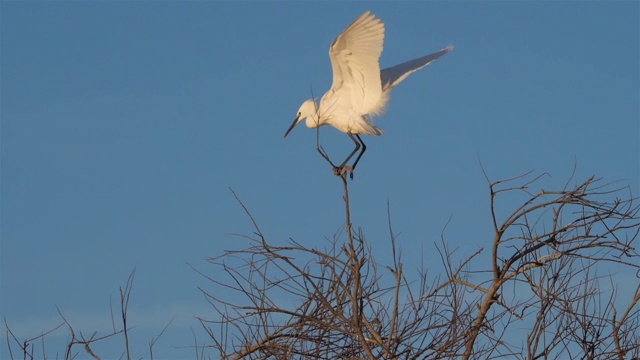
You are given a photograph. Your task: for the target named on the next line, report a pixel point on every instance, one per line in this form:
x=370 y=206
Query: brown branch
x=339 y=306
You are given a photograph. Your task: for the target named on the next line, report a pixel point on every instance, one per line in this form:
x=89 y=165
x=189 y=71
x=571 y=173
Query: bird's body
x=360 y=89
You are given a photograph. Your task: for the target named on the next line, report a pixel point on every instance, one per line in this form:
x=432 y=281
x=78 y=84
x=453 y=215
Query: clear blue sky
x=125 y=123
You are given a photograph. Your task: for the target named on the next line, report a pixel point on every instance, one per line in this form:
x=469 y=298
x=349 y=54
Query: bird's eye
x=299 y=113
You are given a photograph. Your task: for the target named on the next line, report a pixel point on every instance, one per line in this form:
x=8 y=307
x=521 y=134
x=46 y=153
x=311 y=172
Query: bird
x=360 y=90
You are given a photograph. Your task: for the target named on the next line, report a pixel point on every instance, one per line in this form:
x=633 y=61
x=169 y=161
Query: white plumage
x=359 y=88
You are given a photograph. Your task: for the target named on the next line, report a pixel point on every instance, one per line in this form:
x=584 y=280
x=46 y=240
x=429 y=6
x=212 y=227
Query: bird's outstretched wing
x=394 y=75
x=354 y=58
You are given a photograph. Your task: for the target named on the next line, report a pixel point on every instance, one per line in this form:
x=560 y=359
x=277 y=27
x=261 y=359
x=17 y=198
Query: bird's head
x=308 y=110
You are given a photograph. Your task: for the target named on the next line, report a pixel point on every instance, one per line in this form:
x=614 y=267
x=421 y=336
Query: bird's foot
x=342 y=171
x=349 y=169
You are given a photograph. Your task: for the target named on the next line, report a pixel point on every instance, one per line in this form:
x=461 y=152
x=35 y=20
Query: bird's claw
x=348 y=169
x=342 y=171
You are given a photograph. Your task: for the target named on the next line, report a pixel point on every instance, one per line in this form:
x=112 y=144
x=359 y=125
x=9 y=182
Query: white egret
x=359 y=88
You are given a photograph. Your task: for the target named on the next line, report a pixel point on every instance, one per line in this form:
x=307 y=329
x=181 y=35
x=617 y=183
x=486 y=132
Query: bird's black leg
x=323 y=153
x=353 y=152
x=350 y=168
x=364 y=148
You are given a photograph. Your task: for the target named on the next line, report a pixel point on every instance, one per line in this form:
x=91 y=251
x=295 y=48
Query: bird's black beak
x=295 y=122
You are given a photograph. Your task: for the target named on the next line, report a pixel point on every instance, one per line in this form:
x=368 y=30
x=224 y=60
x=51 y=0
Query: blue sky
x=125 y=123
